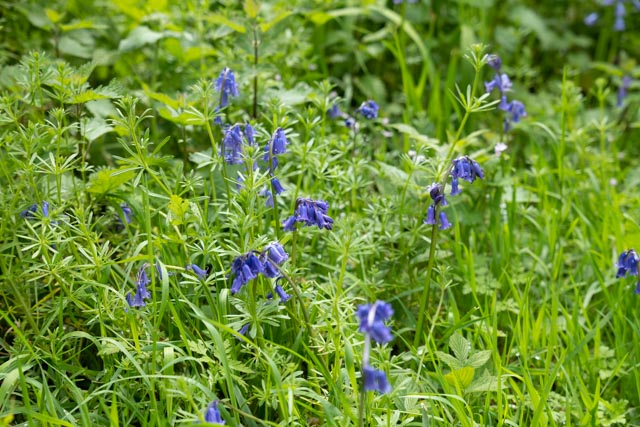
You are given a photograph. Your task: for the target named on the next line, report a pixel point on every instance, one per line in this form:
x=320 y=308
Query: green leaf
x=139 y=37
x=215 y=18
x=94 y=128
x=251 y=8
x=478 y=359
x=178 y=207
x=460 y=347
x=268 y=25
x=449 y=360
x=461 y=378
x=107 y=180
x=485 y=383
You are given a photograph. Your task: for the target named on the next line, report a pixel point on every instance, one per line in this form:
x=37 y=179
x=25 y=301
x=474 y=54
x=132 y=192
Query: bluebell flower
x=623 y=90
x=231 y=148
x=591 y=19
x=226 y=85
x=277 y=187
x=276 y=146
x=30 y=212
x=245 y=268
x=437 y=195
x=494 y=62
x=142 y=293
x=372 y=318
x=431 y=215
x=250 y=133
x=201 y=273
x=334 y=112
x=265 y=192
x=369 y=109
x=444 y=222
x=375 y=380
x=244 y=329
x=284 y=297
x=272 y=256
x=500 y=82
x=466 y=168
x=309 y=212
x=213 y=414
x=127 y=212
x=627 y=264
x=400 y=1
x=349 y=122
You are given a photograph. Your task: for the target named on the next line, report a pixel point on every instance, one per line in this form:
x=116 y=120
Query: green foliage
x=513 y=316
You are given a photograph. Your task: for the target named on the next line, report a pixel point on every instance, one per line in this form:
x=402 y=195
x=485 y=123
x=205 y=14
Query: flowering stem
x=255 y=70
x=276 y=214
x=427 y=288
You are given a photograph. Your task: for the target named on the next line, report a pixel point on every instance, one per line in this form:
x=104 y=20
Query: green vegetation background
x=105 y=102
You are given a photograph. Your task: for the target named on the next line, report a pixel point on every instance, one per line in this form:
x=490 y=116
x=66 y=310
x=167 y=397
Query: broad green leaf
x=268 y=25
x=107 y=180
x=94 y=128
x=485 y=383
x=54 y=16
x=178 y=207
x=460 y=378
x=478 y=359
x=449 y=360
x=139 y=37
x=460 y=347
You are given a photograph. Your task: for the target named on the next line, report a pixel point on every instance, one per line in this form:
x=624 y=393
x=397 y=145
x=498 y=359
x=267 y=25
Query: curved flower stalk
x=515 y=109
x=372 y=318
x=226 y=85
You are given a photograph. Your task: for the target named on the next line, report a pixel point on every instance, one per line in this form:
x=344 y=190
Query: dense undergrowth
x=472 y=163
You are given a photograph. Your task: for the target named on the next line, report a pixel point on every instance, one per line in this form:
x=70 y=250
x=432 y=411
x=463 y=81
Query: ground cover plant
x=319 y=213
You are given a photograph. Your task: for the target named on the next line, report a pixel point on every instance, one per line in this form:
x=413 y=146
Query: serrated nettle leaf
x=449 y=360
x=485 y=382
x=479 y=358
x=252 y=8
x=460 y=347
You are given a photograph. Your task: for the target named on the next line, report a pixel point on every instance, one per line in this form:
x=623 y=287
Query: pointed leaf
x=478 y=359
x=460 y=347
x=460 y=378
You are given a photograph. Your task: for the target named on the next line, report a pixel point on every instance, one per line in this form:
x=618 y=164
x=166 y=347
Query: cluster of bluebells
x=462 y=168
x=372 y=318
x=368 y=109
x=30 y=212
x=620 y=11
x=250 y=265
x=213 y=415
x=276 y=146
x=515 y=109
x=142 y=293
x=233 y=141
x=309 y=212
x=226 y=85
x=628 y=265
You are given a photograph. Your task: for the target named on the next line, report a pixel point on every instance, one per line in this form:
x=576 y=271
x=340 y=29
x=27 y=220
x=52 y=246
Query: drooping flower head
x=369 y=109
x=375 y=380
x=500 y=82
x=142 y=293
x=231 y=148
x=276 y=146
x=213 y=414
x=628 y=265
x=202 y=273
x=284 y=297
x=494 y=61
x=438 y=198
x=244 y=269
x=248 y=266
x=334 y=112
x=226 y=85
x=273 y=255
x=372 y=318
x=309 y=212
